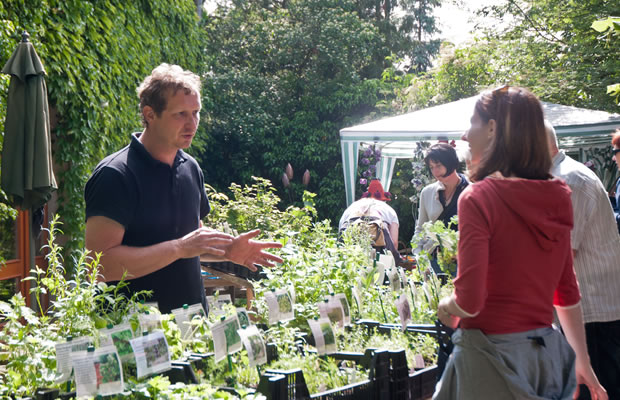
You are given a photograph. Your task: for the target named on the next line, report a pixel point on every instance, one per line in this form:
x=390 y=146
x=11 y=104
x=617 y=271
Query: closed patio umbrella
x=27 y=175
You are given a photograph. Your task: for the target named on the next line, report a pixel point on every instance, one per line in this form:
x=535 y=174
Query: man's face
x=478 y=136
x=176 y=126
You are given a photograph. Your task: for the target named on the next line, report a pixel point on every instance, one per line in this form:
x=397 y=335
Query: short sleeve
x=567 y=292
x=205 y=207
x=473 y=254
x=109 y=194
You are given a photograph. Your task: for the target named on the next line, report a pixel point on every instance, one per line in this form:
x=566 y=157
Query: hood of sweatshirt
x=543 y=205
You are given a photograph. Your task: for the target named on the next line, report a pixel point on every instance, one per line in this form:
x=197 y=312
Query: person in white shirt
x=596 y=250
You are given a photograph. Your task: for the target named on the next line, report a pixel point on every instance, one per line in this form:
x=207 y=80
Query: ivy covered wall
x=96 y=52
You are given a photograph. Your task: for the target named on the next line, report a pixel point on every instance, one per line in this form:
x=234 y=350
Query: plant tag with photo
x=324 y=336
x=64 y=352
x=355 y=291
x=379 y=273
x=226 y=340
x=119 y=337
x=280 y=306
x=183 y=317
x=333 y=311
x=291 y=291
x=402 y=276
x=98 y=373
x=254 y=344
x=418 y=361
x=216 y=303
x=404 y=311
x=152 y=353
x=243 y=317
x=150 y=322
x=387 y=260
x=342 y=298
x=392 y=274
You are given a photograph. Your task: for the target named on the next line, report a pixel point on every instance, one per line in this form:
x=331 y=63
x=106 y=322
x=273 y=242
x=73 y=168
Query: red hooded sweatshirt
x=514 y=260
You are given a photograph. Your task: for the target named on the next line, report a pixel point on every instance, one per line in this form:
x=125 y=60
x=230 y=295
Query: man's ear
x=148 y=113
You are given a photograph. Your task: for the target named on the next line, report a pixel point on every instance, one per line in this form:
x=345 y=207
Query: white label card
x=226 y=340
x=392 y=274
x=324 y=337
x=63 y=355
x=98 y=373
x=404 y=311
x=280 y=306
x=254 y=344
x=152 y=353
x=149 y=323
x=184 y=316
x=217 y=306
x=119 y=337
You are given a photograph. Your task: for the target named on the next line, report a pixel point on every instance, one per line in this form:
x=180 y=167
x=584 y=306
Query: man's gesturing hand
x=204 y=241
x=245 y=251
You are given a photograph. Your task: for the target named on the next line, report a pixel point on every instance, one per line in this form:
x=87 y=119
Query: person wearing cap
x=374 y=200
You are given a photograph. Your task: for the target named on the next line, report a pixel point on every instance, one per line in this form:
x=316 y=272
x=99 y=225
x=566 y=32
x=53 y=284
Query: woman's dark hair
x=519 y=147
x=444 y=154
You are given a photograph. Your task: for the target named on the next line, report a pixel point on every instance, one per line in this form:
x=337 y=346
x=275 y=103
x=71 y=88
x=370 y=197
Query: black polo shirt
x=155 y=203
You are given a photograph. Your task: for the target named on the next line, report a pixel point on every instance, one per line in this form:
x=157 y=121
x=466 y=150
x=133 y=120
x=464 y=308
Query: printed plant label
x=254 y=344
x=64 y=352
x=226 y=340
x=216 y=303
x=324 y=336
x=280 y=306
x=119 y=337
x=98 y=372
x=404 y=311
x=150 y=322
x=152 y=353
x=345 y=307
x=184 y=316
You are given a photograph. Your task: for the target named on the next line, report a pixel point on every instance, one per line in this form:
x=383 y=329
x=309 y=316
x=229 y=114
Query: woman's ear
x=491 y=126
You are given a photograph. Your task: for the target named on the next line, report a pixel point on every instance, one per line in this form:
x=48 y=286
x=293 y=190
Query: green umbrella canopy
x=27 y=175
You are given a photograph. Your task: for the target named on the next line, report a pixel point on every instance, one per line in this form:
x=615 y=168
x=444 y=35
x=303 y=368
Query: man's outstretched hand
x=245 y=251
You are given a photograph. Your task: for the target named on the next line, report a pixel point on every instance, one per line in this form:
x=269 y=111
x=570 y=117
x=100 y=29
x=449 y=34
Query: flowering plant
x=370 y=158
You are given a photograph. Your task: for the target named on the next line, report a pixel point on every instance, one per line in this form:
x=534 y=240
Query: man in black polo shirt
x=145 y=203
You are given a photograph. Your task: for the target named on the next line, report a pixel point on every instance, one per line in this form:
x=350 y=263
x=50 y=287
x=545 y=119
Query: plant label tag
x=418 y=361
x=243 y=317
x=355 y=291
x=63 y=355
x=340 y=297
x=226 y=340
x=392 y=274
x=332 y=310
x=280 y=306
x=152 y=353
x=402 y=276
x=216 y=303
x=98 y=372
x=184 y=317
x=119 y=337
x=387 y=260
x=254 y=344
x=324 y=336
x=149 y=322
x=379 y=273
x=404 y=311
x=291 y=291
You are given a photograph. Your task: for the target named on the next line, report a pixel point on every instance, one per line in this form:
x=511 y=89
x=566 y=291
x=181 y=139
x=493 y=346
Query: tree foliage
x=282 y=83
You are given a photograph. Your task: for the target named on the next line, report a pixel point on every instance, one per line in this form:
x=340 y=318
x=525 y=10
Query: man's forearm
x=137 y=261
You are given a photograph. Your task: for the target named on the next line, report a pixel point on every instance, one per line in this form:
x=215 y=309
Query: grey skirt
x=537 y=364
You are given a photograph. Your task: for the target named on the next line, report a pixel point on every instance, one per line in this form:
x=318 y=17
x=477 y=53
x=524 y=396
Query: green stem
x=381 y=302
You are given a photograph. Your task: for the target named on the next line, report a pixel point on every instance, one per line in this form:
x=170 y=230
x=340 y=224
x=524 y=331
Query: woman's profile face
x=478 y=136
x=616 y=156
x=437 y=169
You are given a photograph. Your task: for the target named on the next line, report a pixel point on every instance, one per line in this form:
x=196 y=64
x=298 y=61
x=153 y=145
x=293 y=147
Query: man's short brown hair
x=164 y=81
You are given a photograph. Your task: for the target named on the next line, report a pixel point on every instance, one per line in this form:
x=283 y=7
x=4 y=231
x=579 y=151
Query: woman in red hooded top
x=515 y=266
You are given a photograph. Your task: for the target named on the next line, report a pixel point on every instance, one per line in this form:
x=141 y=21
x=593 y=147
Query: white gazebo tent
x=396 y=136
